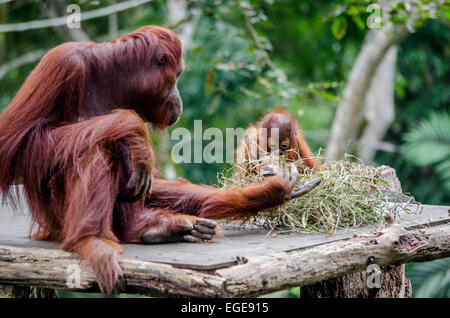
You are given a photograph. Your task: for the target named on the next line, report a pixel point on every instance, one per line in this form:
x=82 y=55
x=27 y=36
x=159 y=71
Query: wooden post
x=393 y=282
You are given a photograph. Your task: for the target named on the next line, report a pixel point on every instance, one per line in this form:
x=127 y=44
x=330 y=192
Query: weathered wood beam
x=59 y=270
x=391 y=246
x=253 y=277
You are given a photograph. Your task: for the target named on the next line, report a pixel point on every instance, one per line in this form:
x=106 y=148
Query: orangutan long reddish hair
x=75 y=137
x=277 y=132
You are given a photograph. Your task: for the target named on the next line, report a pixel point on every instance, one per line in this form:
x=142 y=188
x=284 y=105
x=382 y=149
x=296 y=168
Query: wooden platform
x=238 y=242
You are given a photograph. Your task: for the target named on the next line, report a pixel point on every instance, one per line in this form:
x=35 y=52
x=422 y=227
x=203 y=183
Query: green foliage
x=429 y=144
x=422 y=84
x=431 y=279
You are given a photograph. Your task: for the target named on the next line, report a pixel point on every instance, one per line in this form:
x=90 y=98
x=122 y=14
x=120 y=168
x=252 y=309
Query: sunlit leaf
x=339 y=27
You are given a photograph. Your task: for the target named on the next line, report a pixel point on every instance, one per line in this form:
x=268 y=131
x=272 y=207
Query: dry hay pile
x=350 y=195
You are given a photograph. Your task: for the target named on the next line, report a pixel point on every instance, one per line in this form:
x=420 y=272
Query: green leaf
x=339 y=27
x=359 y=22
x=381 y=180
x=354 y=10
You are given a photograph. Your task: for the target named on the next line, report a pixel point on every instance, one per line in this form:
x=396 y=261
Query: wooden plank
x=424 y=215
x=392 y=245
x=221 y=252
x=254 y=276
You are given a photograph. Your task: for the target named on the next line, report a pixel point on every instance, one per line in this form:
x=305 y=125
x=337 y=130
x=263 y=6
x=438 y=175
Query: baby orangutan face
x=280 y=133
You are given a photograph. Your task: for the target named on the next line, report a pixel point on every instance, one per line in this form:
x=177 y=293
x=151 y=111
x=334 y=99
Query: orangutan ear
x=161 y=60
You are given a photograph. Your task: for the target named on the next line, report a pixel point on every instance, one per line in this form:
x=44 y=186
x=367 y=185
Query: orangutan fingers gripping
x=102 y=256
x=138 y=157
x=118 y=282
x=304 y=189
x=290 y=175
x=139 y=185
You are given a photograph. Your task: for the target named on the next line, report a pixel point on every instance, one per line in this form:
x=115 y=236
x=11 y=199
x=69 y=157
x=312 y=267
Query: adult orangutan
x=276 y=132
x=75 y=137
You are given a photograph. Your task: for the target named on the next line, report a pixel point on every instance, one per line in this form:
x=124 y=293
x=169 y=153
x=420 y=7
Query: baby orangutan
x=276 y=133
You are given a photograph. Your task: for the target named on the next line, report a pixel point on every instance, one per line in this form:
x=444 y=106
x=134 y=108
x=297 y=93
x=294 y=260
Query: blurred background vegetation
x=244 y=58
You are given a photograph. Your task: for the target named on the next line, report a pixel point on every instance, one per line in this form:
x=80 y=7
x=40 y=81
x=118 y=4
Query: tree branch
x=55 y=8
x=39 y=24
x=378 y=106
x=349 y=112
x=27 y=58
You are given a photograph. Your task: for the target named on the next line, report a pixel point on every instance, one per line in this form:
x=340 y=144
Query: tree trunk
x=348 y=115
x=179 y=13
x=375 y=46
x=378 y=107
